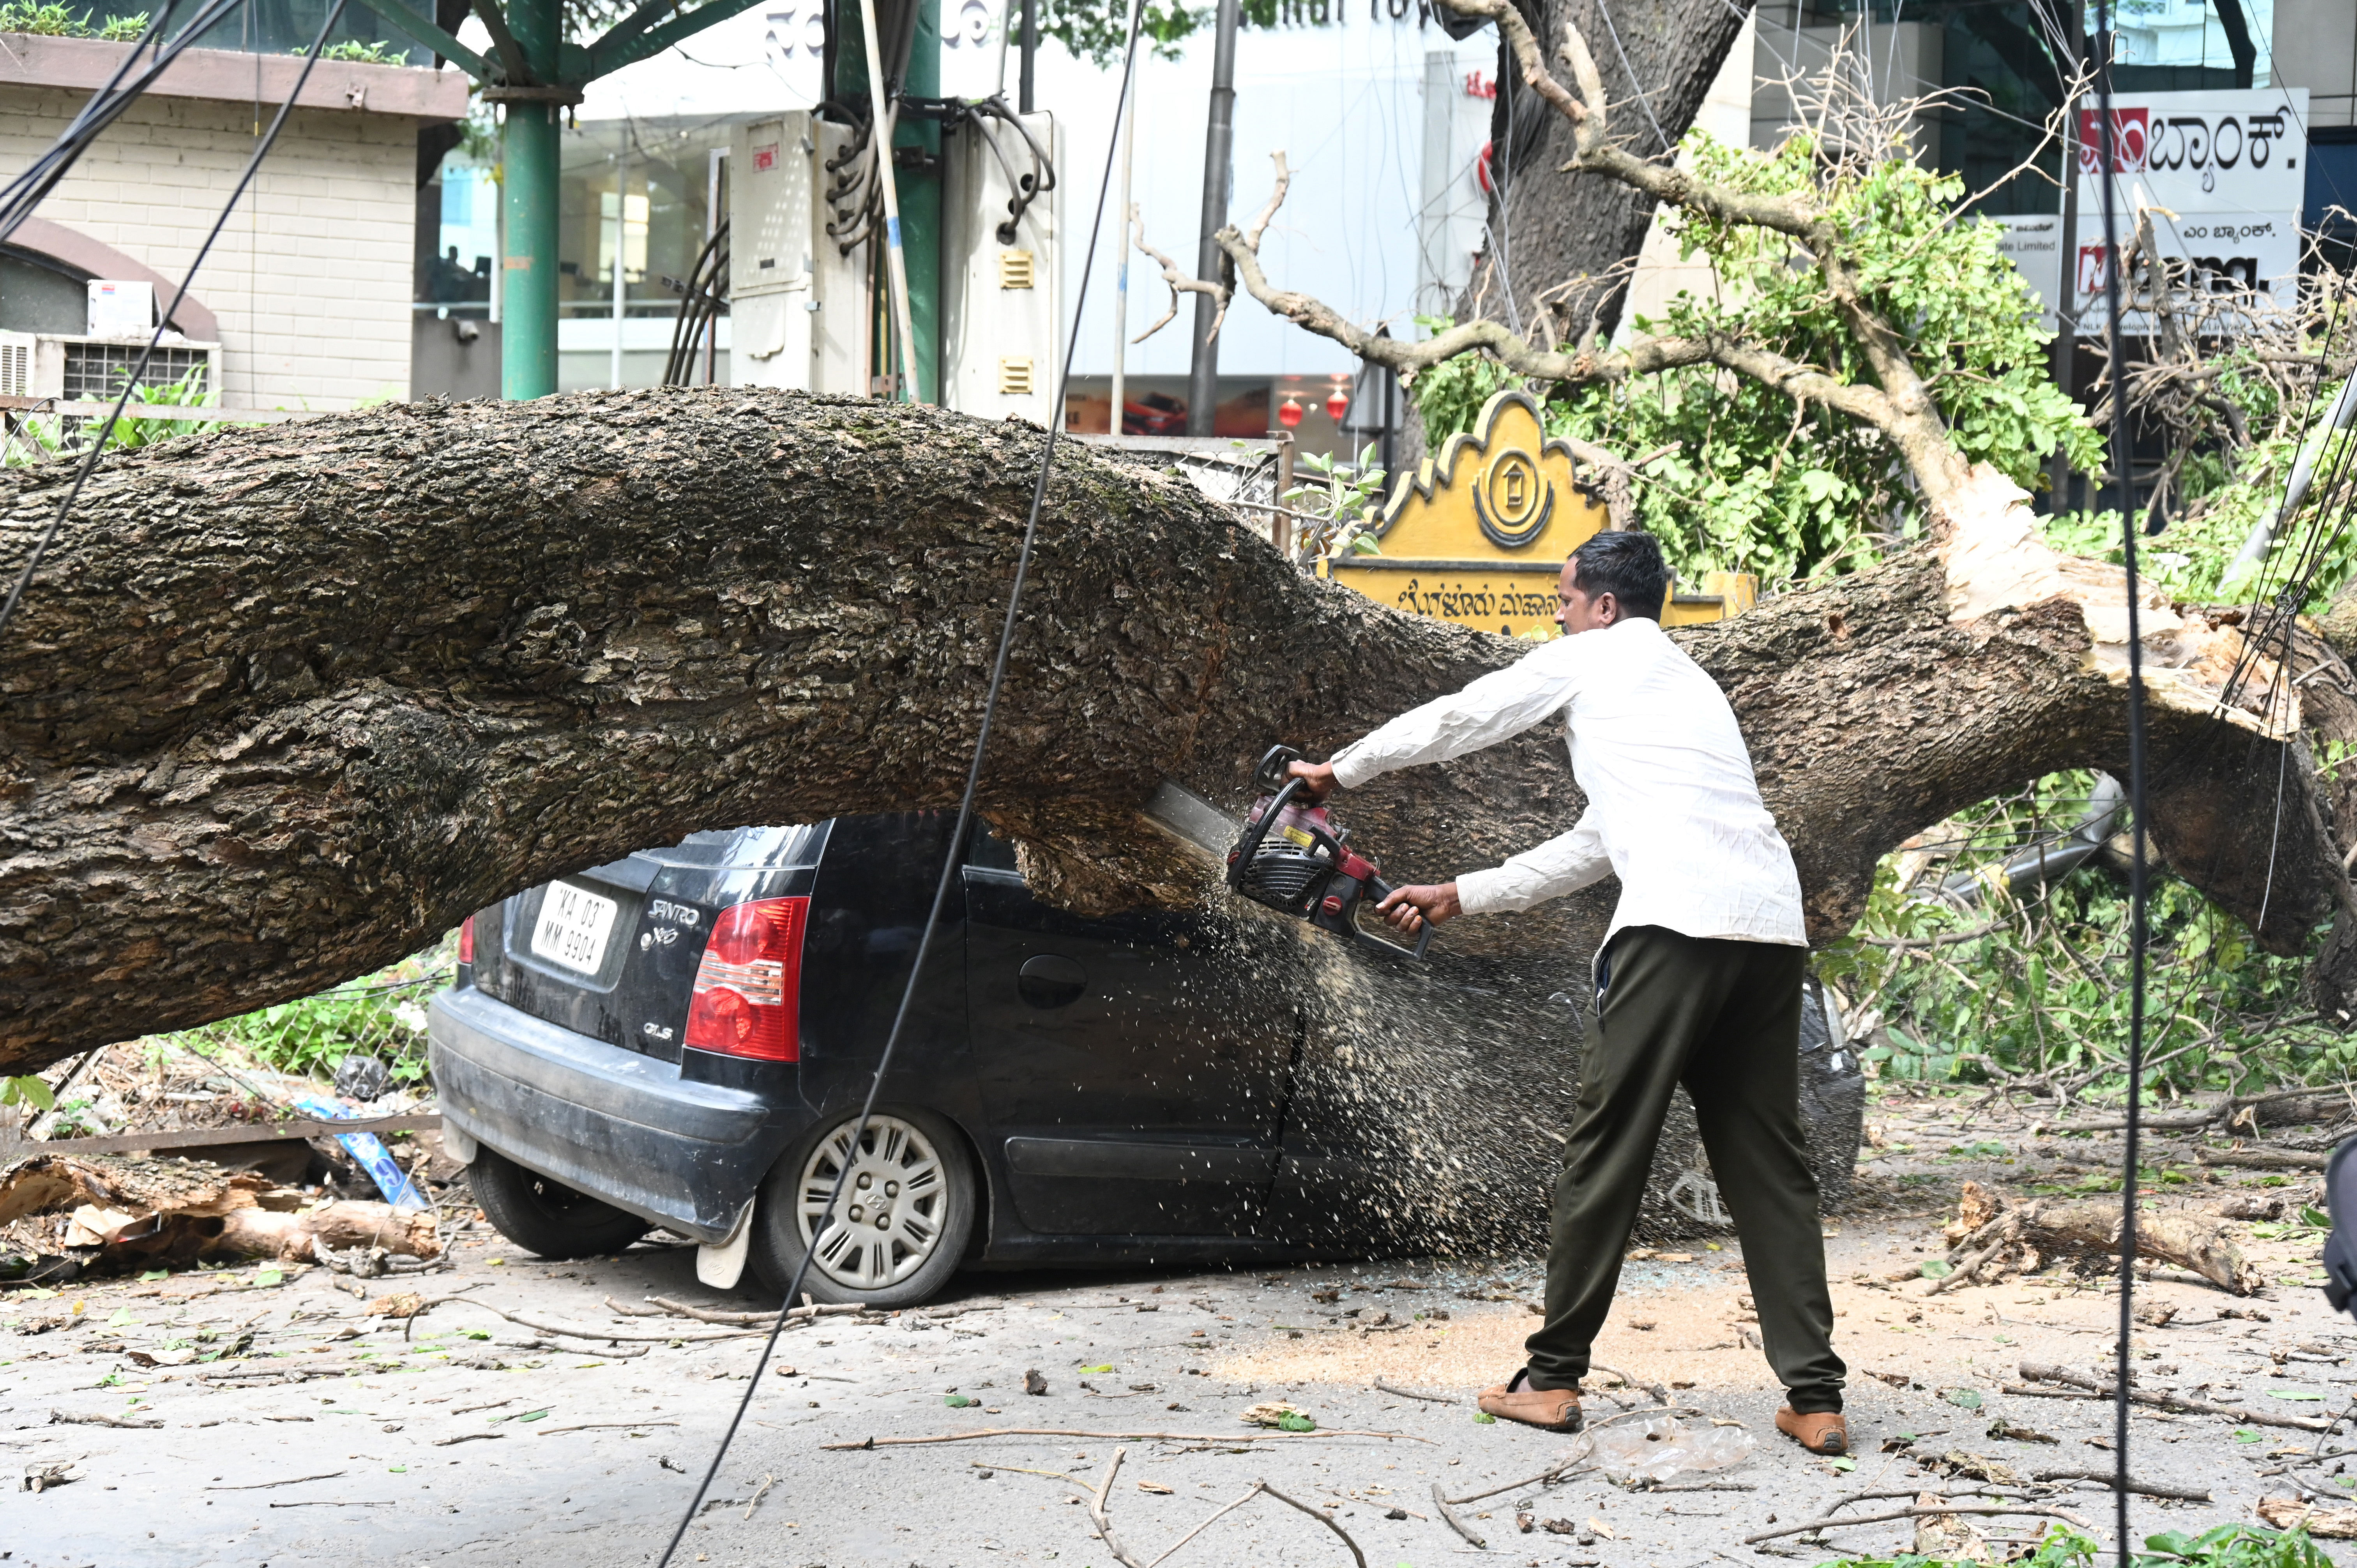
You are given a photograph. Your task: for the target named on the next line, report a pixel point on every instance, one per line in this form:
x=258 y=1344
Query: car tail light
x=467 y=940
x=748 y=999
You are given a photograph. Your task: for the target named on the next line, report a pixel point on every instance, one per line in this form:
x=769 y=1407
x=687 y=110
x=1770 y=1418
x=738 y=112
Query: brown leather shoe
x=1825 y=1433
x=1550 y=1410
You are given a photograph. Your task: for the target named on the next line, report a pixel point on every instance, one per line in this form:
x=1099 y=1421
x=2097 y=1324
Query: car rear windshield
x=744 y=849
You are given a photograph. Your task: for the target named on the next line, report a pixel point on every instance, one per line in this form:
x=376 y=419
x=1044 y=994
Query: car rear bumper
x=619 y=1126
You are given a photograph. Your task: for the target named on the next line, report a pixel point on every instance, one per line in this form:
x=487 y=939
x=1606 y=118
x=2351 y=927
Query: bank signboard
x=2224 y=173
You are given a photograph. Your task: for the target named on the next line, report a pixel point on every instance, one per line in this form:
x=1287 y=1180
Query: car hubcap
x=890 y=1218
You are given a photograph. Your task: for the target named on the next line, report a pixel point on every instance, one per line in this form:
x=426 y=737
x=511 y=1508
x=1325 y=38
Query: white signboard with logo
x=2033 y=243
x=2228 y=171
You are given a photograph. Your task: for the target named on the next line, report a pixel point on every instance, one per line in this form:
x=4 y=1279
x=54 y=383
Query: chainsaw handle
x=1377 y=891
x=1240 y=860
x=1270 y=772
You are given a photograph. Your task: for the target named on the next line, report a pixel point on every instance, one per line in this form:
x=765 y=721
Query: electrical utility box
x=798 y=304
x=1002 y=312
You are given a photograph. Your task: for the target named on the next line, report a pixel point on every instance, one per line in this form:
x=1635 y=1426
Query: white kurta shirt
x=1673 y=807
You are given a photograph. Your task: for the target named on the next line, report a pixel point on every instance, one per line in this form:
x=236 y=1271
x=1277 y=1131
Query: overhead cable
x=131 y=382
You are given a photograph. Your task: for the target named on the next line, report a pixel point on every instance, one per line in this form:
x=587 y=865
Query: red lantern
x=1338 y=403
x=1290 y=414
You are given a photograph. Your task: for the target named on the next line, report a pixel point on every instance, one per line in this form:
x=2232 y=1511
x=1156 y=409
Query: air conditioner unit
x=797 y=302
x=1002 y=305
x=17 y=364
x=80 y=368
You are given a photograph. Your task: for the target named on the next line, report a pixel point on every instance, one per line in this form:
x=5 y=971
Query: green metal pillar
x=921 y=203
x=529 y=157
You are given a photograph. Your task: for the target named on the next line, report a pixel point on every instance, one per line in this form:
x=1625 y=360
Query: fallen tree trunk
x=286 y=702
x=1994 y=1230
x=168 y=1211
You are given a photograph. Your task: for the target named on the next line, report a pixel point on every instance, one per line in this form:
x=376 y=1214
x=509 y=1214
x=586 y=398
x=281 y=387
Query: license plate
x=572 y=928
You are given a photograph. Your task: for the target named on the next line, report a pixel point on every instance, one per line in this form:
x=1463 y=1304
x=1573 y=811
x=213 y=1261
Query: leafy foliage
x=62 y=22
x=1756 y=483
x=2037 y=985
x=383 y=1015
x=2193 y=556
x=47 y=435
x=1329 y=510
x=377 y=53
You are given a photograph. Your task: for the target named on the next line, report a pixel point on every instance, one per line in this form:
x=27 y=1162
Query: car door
x=1134 y=1074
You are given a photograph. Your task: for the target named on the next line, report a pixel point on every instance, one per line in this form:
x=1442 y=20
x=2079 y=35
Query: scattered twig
x=73 y=1418
x=1104 y=1520
x=466 y=1437
x=759 y=1493
x=1659 y=1394
x=1547 y=1478
x=1223 y=1439
x=716 y=1314
x=2106 y=1478
x=1322 y=1517
x=471 y=1408
x=265 y=1486
x=2099 y=1389
x=602 y=1426
x=1440 y=1506
x=1412 y=1394
x=2008 y=1232
x=334 y=1503
x=1217 y=1515
x=2264 y=1159
x=1025 y=1470
x=1942 y=1511
x=609 y=1336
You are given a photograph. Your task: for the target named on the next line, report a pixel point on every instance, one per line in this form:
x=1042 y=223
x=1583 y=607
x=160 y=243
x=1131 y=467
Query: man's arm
x=1564 y=863
x=1499 y=704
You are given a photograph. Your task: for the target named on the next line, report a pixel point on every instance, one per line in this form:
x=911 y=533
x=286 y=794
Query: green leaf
x=267 y=1277
x=2245 y=1435
x=27 y=1091
x=1935 y=1268
x=1844 y=1463
x=1965 y=1399
x=2291 y=1394
x=1294 y=1421
x=959 y=1401
x=152 y=1275
x=1107 y=1367
x=1484 y=1418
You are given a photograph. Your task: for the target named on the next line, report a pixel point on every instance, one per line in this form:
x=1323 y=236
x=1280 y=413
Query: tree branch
x=1178 y=281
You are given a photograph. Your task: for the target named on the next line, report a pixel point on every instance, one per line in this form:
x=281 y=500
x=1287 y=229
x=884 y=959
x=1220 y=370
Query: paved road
x=330 y=1438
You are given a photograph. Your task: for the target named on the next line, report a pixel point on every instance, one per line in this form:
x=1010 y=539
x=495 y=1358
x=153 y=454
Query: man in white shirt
x=1698 y=981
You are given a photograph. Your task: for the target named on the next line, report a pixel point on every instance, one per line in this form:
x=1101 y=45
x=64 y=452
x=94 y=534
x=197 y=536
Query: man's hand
x=1408 y=909
x=1318 y=777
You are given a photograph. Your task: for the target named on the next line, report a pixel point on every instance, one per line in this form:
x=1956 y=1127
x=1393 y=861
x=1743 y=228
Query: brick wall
x=311 y=278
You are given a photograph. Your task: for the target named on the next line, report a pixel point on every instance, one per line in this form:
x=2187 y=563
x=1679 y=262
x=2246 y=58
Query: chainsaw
x=1291 y=856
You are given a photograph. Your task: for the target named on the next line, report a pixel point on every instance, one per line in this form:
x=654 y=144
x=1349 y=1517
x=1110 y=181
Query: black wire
x=956 y=855
x=163 y=319
x=34 y=183
x=2121 y=455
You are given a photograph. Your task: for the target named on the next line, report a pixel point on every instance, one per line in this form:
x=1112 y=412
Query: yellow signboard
x=1479 y=535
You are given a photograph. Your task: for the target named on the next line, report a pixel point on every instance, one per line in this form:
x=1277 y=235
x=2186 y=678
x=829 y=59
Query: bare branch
x=1180 y=281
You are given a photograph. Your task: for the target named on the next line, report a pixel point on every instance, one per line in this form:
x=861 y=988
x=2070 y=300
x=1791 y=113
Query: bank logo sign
x=2223 y=176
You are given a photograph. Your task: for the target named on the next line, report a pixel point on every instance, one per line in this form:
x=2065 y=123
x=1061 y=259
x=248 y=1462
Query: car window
x=990 y=851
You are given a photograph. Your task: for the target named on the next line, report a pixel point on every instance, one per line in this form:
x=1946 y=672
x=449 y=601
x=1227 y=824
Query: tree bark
x=1659 y=56
x=286 y=702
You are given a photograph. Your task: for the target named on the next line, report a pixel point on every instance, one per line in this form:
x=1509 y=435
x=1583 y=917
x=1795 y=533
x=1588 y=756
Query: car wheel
x=547 y=1217
x=902 y=1228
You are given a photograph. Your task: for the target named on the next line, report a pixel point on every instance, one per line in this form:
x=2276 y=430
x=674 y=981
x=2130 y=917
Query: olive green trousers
x=1723 y=1018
